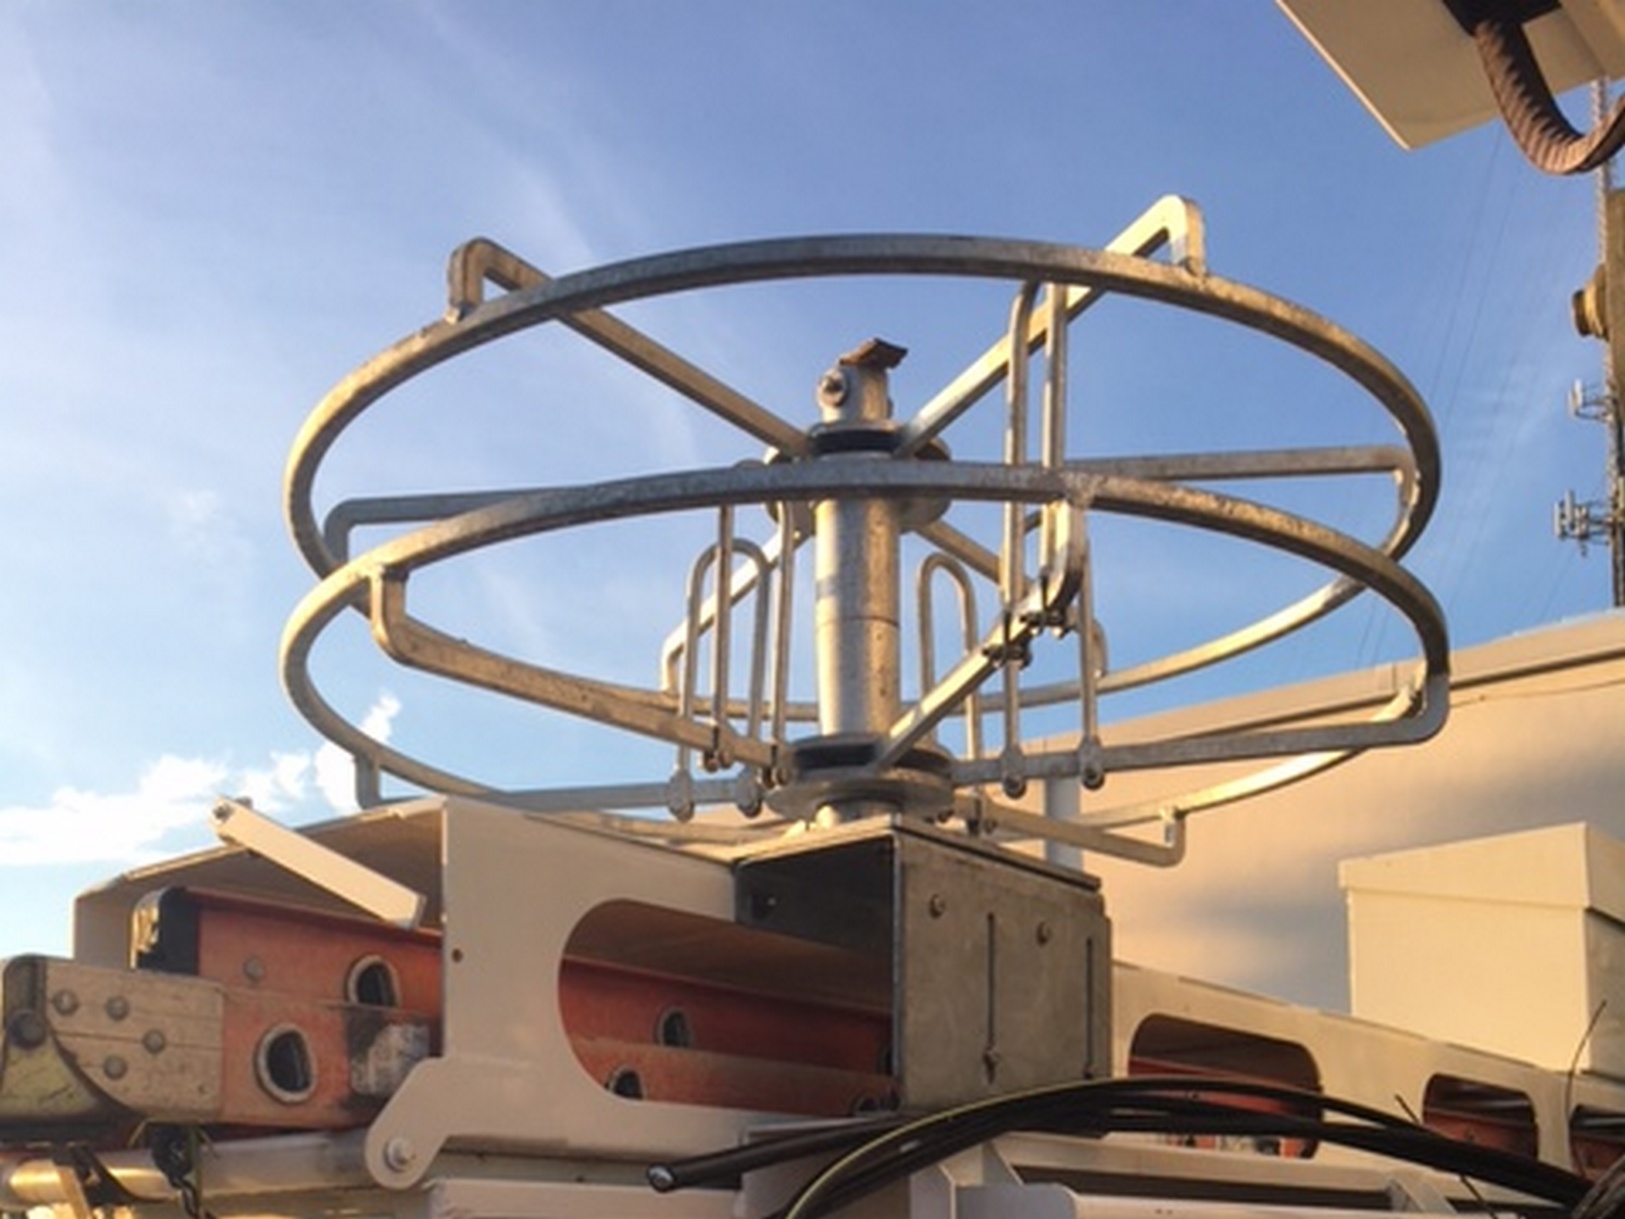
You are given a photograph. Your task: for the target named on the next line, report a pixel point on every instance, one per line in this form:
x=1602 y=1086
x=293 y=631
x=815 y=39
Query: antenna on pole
x=1599 y=312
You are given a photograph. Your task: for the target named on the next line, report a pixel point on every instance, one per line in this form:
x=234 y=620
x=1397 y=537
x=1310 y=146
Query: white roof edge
x=1575 y=866
x=1573 y=644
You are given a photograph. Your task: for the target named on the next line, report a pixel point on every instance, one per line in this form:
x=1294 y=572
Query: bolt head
x=28 y=1029
x=399 y=1154
x=990 y=1063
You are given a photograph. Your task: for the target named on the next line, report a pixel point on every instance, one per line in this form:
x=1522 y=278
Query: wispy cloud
x=204 y=530
x=91 y=827
x=282 y=784
x=33 y=192
x=175 y=794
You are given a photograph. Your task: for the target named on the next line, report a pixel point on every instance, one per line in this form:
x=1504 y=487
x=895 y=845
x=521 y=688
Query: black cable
x=912 y=1148
x=716 y=1167
x=1163 y=1105
x=1530 y=110
x=883 y=1150
x=1073 y=1108
x=1607 y=1197
x=849 y=1188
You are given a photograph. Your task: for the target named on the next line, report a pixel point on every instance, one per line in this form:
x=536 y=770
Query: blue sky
x=210 y=213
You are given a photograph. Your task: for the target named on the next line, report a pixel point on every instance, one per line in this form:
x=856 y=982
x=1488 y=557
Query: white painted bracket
x=378 y=895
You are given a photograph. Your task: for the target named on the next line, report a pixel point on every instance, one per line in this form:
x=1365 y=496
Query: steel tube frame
x=857 y=487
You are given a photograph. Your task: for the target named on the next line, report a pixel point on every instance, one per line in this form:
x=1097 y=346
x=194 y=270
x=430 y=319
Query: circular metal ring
x=383 y=571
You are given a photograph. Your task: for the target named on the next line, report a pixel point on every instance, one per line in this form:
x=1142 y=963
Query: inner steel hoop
x=863 y=254
x=560 y=508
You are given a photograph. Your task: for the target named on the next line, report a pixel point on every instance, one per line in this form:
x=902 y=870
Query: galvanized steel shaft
x=856 y=606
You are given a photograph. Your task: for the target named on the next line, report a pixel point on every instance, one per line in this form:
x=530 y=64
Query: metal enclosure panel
x=1002 y=976
x=999 y=965
x=1382 y=1066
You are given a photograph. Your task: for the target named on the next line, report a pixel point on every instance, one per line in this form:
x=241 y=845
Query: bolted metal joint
x=832 y=389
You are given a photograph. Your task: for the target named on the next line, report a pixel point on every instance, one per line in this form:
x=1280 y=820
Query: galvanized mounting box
x=1514 y=944
x=1000 y=964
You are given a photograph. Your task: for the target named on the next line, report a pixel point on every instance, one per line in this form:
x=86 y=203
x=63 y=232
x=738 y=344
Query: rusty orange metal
x=312 y=1041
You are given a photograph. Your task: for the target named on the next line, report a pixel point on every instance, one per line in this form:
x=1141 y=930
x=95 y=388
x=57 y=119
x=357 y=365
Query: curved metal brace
x=1249 y=521
x=1311 y=462
x=419 y=646
x=955 y=571
x=1321 y=461
x=1293 y=770
x=1088 y=271
x=723 y=748
x=1004 y=821
x=1095 y=830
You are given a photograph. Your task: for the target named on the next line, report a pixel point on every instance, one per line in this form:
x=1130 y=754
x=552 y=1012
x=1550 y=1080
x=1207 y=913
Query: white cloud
x=279 y=785
x=335 y=769
x=205 y=531
x=90 y=827
x=176 y=794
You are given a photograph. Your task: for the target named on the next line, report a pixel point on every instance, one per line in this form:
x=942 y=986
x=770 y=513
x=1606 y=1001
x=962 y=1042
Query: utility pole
x=1599 y=311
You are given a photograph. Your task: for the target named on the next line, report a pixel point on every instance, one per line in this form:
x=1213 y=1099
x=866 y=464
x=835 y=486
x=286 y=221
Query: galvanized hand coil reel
x=849 y=488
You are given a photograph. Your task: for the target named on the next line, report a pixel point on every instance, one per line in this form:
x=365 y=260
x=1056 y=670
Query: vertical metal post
x=1614 y=305
x=856 y=607
x=1616 y=495
x=1599 y=311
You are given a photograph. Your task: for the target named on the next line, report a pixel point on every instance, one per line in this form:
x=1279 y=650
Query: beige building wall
x=1536 y=737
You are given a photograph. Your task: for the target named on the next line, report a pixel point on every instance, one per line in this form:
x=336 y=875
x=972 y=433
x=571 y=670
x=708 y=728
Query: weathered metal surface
x=640 y=1071
x=258 y=944
x=94 y=1049
x=322 y=1018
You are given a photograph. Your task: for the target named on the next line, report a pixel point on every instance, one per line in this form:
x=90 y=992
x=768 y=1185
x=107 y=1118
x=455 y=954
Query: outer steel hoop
x=867 y=254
